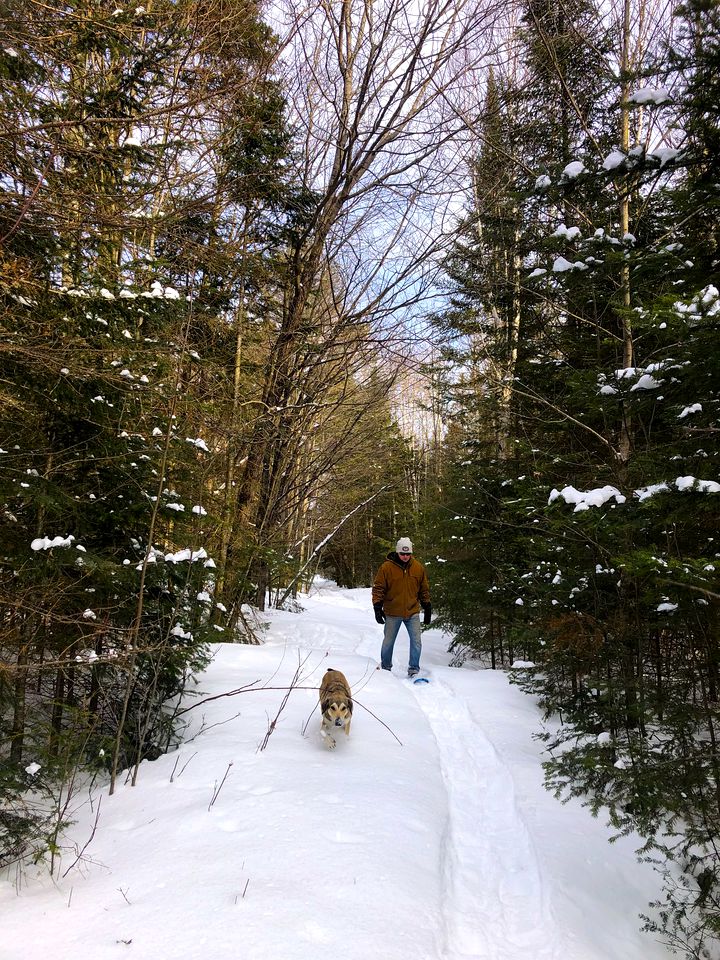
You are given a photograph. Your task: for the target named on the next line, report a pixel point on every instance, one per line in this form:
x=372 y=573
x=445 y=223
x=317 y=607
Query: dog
x=336 y=705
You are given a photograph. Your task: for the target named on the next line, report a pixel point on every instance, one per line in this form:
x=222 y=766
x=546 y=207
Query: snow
x=430 y=838
x=157 y=291
x=693 y=408
x=561 y=265
x=186 y=554
x=708 y=486
x=574 y=169
x=614 y=160
x=569 y=233
x=646 y=382
x=706 y=302
x=134 y=140
x=703 y=486
x=584 y=499
x=665 y=154
x=644 y=493
x=656 y=95
x=199 y=443
x=45 y=543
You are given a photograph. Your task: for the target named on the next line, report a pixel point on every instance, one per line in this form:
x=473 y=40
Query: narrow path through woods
x=494 y=893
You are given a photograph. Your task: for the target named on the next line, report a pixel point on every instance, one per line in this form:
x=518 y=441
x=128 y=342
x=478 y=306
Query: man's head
x=404 y=548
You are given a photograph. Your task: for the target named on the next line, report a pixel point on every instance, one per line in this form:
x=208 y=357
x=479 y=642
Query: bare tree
x=370 y=91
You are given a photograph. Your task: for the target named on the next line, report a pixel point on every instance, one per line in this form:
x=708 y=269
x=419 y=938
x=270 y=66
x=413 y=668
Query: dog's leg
x=326 y=735
x=347 y=728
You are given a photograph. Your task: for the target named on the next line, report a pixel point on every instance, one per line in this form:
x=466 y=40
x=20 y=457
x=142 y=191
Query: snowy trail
x=495 y=901
x=428 y=836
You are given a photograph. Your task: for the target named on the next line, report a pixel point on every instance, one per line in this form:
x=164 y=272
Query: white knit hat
x=403 y=545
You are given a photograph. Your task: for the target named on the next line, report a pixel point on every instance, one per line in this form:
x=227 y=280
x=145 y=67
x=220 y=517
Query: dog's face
x=336 y=712
x=336 y=703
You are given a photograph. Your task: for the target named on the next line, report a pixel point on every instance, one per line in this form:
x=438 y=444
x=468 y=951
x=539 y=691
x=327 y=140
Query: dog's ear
x=325 y=706
x=349 y=705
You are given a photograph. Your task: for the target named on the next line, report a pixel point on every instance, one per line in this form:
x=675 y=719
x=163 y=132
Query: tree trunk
x=17 y=731
x=625 y=442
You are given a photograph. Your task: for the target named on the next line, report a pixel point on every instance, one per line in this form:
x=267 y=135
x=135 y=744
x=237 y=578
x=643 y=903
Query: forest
x=281 y=283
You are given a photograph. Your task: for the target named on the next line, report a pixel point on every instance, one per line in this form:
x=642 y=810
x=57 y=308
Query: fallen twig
x=216 y=794
x=305 y=725
x=378 y=719
x=283 y=703
x=87 y=843
x=172 y=775
x=250 y=688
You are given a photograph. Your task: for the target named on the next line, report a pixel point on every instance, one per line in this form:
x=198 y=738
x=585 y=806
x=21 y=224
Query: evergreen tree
x=109 y=285
x=593 y=547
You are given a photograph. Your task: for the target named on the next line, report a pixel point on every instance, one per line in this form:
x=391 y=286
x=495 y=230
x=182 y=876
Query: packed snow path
x=427 y=835
x=484 y=906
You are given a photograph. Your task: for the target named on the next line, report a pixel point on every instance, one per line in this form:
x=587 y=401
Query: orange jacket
x=400 y=587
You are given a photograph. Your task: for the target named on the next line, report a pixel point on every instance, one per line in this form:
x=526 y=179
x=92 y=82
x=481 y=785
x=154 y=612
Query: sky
x=425 y=835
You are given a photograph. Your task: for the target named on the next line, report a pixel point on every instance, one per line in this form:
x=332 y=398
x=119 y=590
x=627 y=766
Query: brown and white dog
x=336 y=705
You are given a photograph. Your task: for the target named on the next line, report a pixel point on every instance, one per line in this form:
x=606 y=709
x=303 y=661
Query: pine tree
x=594 y=546
x=109 y=285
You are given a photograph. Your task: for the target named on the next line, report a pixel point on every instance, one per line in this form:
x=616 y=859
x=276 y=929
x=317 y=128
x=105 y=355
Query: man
x=401 y=587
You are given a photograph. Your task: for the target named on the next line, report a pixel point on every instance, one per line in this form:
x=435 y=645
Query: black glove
x=427 y=610
x=379 y=615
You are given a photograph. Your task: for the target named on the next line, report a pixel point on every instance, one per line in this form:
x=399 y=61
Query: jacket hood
x=394 y=558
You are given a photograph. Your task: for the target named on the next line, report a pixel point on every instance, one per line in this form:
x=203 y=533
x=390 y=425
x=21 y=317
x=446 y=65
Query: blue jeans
x=392 y=625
